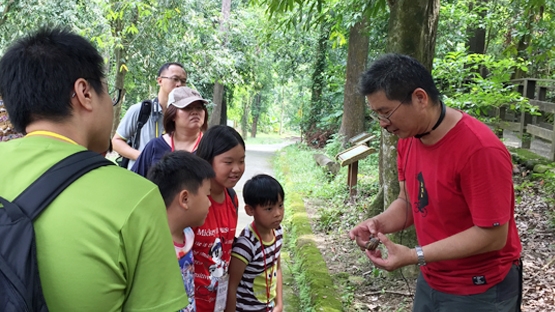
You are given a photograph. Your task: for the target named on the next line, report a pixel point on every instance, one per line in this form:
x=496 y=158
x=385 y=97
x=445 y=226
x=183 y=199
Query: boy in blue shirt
x=184 y=181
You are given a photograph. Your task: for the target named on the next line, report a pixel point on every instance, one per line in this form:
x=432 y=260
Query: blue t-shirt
x=184 y=255
x=151 y=154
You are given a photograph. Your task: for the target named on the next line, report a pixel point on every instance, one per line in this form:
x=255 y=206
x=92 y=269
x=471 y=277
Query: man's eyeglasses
x=381 y=118
x=116 y=96
x=176 y=79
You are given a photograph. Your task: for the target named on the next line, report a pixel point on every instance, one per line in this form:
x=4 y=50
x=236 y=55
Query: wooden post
x=528 y=91
x=350 y=157
x=501 y=112
x=542 y=94
x=352 y=179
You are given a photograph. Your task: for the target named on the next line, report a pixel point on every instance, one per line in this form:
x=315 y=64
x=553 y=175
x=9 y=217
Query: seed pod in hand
x=373 y=243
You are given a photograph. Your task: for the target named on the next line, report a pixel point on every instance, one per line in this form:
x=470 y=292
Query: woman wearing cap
x=185 y=118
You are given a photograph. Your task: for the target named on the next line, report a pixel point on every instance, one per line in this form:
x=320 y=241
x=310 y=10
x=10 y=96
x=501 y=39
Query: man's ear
x=159 y=81
x=82 y=95
x=249 y=210
x=420 y=97
x=183 y=199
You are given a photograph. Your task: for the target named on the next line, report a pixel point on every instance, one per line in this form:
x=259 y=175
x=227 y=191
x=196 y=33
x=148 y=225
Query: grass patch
x=316 y=289
x=338 y=212
x=305 y=179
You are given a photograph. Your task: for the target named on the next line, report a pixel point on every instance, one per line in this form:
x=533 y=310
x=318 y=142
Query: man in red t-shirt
x=456 y=187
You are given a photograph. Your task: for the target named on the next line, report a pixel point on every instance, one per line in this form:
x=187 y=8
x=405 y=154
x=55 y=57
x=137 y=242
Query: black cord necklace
x=440 y=119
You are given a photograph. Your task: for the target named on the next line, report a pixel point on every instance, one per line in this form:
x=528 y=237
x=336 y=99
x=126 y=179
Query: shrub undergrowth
x=336 y=211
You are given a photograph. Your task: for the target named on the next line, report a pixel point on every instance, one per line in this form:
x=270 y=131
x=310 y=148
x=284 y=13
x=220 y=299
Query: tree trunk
x=331 y=167
x=412 y=31
x=524 y=40
x=318 y=78
x=477 y=35
x=245 y=117
x=218 y=94
x=223 y=115
x=120 y=54
x=352 y=122
x=120 y=80
x=217 y=98
x=282 y=108
x=255 y=112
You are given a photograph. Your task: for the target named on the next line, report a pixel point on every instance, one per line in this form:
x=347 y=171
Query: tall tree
x=477 y=30
x=532 y=11
x=318 y=79
x=218 y=112
x=256 y=112
x=412 y=31
x=352 y=122
x=123 y=33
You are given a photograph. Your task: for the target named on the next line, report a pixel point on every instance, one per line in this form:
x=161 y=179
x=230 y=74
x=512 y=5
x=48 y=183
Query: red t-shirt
x=212 y=250
x=463 y=180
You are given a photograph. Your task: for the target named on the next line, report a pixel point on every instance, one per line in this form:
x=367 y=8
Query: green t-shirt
x=104 y=244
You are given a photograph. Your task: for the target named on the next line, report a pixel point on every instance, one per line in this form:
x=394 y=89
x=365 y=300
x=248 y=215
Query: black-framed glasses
x=380 y=118
x=176 y=79
x=116 y=96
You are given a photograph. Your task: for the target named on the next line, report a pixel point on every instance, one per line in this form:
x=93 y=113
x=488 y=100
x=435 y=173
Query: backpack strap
x=144 y=114
x=233 y=196
x=35 y=198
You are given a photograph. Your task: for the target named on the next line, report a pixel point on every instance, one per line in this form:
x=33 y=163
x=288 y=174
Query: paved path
x=258 y=160
x=537 y=145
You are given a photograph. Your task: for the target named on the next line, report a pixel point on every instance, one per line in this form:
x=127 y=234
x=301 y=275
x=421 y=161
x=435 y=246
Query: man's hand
x=364 y=231
x=398 y=256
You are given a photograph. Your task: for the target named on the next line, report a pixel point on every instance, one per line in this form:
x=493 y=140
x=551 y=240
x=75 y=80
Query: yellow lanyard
x=52 y=134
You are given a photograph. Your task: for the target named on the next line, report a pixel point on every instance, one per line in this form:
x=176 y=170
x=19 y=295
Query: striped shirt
x=251 y=292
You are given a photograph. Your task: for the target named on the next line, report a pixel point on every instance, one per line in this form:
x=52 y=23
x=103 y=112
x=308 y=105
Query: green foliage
x=334 y=145
x=463 y=87
x=275 y=56
x=336 y=210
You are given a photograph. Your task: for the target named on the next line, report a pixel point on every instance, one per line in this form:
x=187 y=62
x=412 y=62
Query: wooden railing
x=527 y=126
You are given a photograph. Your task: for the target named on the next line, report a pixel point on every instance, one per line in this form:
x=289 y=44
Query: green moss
x=316 y=287
x=291 y=300
x=527 y=157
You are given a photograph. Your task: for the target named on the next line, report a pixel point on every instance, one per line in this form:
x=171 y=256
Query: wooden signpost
x=352 y=155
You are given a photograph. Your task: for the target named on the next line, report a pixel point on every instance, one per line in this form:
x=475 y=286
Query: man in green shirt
x=104 y=243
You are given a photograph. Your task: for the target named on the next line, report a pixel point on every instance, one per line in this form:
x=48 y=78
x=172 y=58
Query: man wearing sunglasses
x=170 y=76
x=456 y=188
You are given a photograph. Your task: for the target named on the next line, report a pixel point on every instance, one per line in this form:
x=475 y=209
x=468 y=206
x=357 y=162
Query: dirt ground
x=367 y=289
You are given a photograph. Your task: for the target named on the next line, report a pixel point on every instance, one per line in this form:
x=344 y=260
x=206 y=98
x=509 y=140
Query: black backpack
x=20 y=287
x=144 y=114
x=233 y=194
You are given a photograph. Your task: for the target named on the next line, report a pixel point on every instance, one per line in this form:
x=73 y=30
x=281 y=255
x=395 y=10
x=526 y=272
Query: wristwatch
x=420 y=256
